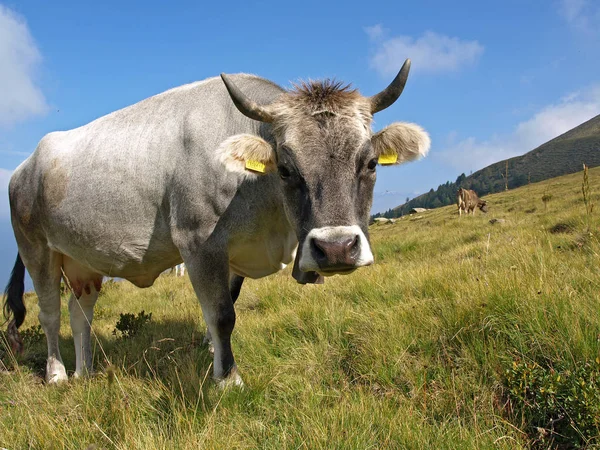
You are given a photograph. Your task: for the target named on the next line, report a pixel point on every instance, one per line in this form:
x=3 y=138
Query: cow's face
x=483 y=206
x=325 y=156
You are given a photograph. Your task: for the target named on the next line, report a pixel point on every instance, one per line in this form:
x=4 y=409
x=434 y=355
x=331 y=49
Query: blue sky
x=489 y=80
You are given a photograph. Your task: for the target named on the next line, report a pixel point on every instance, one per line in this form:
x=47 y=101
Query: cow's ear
x=247 y=154
x=400 y=142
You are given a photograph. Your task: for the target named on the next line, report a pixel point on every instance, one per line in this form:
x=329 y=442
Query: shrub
x=32 y=335
x=129 y=324
x=558 y=407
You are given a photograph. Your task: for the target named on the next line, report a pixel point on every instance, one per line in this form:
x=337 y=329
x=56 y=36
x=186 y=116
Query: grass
x=451 y=341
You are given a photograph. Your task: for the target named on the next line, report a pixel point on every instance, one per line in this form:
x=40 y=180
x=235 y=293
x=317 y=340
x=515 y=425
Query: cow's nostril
x=352 y=250
x=353 y=244
x=319 y=248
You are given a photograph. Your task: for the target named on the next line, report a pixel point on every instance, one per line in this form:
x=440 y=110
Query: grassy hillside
x=562 y=155
x=463 y=335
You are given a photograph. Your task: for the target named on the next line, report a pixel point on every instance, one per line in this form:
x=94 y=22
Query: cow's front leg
x=81 y=311
x=209 y=274
x=235 y=287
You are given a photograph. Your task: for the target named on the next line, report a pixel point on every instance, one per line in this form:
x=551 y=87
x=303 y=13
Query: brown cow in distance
x=467 y=200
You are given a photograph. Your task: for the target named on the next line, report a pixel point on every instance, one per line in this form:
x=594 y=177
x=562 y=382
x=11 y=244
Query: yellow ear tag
x=255 y=166
x=385 y=160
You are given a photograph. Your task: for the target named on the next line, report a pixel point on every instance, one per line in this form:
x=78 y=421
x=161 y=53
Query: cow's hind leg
x=85 y=286
x=44 y=268
x=81 y=312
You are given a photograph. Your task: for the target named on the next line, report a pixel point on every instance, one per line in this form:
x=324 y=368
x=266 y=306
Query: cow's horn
x=391 y=93
x=246 y=106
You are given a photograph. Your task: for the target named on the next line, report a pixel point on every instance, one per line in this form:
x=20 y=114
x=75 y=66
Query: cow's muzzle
x=335 y=250
x=336 y=255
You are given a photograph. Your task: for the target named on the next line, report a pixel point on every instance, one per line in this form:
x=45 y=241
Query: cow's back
x=111 y=192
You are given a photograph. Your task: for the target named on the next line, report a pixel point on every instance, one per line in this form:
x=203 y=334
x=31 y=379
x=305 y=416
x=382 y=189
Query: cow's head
x=325 y=154
x=483 y=206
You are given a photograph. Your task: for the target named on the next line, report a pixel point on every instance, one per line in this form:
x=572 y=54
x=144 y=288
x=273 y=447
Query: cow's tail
x=13 y=304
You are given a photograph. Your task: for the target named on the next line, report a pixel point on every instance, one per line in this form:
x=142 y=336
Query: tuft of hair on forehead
x=323 y=96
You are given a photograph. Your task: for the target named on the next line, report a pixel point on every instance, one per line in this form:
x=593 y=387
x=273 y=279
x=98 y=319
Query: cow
x=235 y=176
x=179 y=270
x=467 y=200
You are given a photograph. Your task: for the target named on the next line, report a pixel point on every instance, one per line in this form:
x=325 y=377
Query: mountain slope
x=562 y=155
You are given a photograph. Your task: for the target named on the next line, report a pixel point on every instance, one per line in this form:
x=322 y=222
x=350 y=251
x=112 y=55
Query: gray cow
x=183 y=176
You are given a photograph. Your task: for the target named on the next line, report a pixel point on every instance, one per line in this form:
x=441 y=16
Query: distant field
x=463 y=335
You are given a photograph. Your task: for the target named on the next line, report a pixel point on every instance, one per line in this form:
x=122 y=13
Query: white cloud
x=375 y=32
x=582 y=15
x=432 y=52
x=549 y=122
x=20 y=97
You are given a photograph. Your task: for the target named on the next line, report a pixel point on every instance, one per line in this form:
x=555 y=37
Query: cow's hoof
x=233 y=380
x=83 y=374
x=209 y=343
x=55 y=371
x=14 y=338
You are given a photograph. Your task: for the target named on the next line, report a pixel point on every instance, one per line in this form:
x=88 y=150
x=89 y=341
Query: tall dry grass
x=417 y=351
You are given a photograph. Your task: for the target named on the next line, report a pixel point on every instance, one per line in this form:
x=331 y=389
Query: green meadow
x=463 y=335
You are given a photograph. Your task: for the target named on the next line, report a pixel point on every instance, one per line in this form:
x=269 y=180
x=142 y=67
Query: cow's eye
x=372 y=164
x=284 y=173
